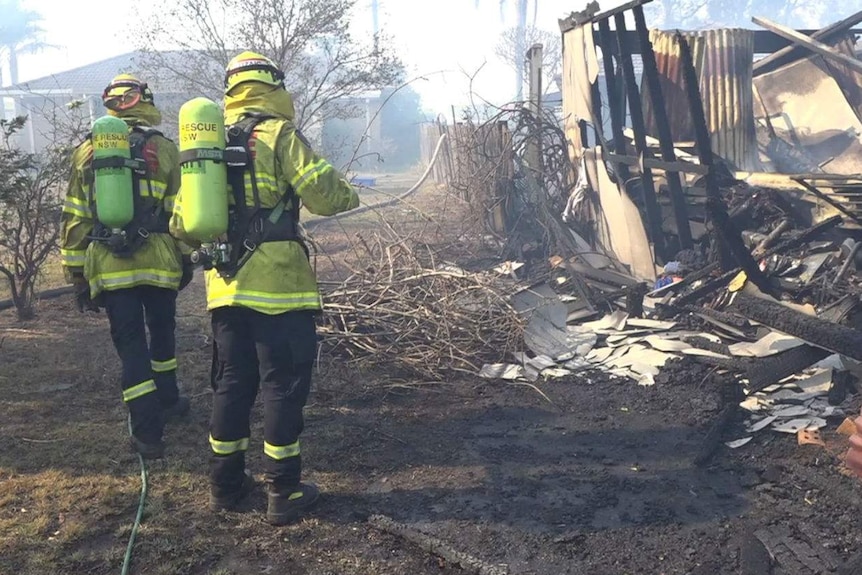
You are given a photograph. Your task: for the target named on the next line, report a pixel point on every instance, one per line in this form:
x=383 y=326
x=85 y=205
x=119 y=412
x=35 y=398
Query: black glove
x=82 y=295
x=188 y=273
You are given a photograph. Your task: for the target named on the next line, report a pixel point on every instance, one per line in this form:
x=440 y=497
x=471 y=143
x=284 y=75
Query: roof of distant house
x=92 y=78
x=554 y=98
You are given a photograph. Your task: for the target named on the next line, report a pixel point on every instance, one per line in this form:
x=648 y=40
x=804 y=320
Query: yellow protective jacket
x=278 y=277
x=158 y=262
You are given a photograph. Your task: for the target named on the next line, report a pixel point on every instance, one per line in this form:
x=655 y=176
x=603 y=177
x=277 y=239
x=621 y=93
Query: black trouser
x=276 y=353
x=149 y=370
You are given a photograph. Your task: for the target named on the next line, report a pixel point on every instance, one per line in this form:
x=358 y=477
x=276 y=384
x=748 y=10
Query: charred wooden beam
x=614 y=90
x=653 y=83
x=764 y=371
x=805 y=236
x=598 y=112
x=651 y=207
x=790 y=53
x=619 y=10
x=850 y=260
x=814 y=330
x=713 y=437
x=635 y=299
x=828 y=200
x=666 y=166
x=605 y=276
x=766 y=42
x=810 y=44
x=727 y=231
x=773 y=237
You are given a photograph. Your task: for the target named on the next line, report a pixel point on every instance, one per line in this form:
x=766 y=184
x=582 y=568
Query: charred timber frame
x=617 y=108
x=791 y=51
x=650 y=70
x=651 y=207
x=623 y=93
x=724 y=228
x=810 y=44
x=781 y=51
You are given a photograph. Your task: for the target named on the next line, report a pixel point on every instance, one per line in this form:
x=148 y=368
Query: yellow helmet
x=125 y=92
x=252 y=67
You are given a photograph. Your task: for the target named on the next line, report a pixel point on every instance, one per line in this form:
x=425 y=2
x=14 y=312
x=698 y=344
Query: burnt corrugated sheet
x=723 y=59
x=667 y=52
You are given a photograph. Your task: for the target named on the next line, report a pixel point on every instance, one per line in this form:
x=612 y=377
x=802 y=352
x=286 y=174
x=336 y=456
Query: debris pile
x=630 y=249
x=790 y=345
x=427 y=319
x=680 y=254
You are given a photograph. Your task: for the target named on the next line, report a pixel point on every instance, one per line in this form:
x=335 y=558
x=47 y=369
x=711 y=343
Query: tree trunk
x=24 y=296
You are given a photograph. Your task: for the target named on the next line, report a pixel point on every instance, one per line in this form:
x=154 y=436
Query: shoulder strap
x=240 y=161
x=138 y=138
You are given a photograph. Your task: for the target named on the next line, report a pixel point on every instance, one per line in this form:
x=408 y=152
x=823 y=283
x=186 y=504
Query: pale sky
x=442 y=35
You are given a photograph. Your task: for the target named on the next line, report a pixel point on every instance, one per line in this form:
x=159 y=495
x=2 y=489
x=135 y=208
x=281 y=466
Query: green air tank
x=115 y=199
x=204 y=188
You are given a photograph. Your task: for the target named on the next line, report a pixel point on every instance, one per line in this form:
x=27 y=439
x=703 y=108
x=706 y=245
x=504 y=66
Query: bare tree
x=509 y=45
x=30 y=205
x=325 y=66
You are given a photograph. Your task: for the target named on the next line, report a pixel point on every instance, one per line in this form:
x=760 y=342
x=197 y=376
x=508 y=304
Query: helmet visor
x=123 y=101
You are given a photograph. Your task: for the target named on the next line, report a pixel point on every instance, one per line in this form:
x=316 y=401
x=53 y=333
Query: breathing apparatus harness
x=146 y=221
x=248 y=226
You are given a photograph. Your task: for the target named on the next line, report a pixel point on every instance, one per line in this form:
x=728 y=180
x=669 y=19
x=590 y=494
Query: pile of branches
x=420 y=318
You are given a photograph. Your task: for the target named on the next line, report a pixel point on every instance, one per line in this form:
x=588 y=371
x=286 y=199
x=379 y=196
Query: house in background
x=75 y=96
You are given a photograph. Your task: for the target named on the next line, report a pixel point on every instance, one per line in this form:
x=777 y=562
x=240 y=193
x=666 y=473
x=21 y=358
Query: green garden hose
x=127 y=560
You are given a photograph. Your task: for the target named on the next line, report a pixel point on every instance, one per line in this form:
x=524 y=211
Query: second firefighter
x=263 y=293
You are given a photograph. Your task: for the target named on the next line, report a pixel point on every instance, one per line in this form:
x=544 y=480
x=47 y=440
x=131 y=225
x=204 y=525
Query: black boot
x=230 y=501
x=147 y=450
x=178 y=410
x=284 y=508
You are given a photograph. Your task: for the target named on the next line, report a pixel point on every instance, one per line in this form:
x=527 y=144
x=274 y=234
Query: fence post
x=534 y=105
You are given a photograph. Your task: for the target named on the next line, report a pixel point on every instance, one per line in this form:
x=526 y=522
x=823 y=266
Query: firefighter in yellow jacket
x=135 y=272
x=264 y=300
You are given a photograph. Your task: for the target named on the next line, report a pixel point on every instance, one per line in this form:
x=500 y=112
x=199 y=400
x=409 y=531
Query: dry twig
x=428 y=321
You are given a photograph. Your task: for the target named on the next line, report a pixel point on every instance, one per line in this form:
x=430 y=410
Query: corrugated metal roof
x=723 y=59
x=92 y=78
